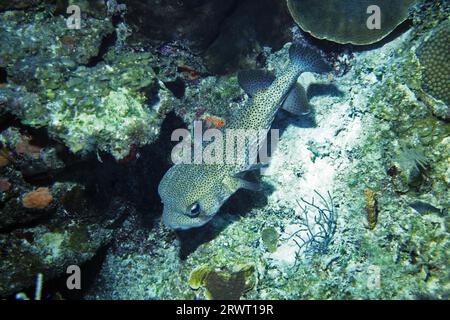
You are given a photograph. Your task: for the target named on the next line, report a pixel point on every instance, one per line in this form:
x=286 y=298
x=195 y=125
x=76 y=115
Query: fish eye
x=195 y=209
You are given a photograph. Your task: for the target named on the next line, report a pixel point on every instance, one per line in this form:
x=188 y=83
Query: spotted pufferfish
x=192 y=194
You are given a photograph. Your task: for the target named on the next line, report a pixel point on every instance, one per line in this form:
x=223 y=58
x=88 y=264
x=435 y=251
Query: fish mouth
x=179 y=221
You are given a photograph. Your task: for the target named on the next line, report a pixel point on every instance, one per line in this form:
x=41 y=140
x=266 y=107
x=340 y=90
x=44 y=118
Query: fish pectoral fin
x=244 y=184
x=233 y=183
x=253 y=167
x=297 y=102
x=253 y=81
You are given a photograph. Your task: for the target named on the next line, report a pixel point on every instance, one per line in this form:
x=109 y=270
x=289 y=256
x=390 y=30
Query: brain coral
x=37 y=199
x=433 y=56
x=345 y=21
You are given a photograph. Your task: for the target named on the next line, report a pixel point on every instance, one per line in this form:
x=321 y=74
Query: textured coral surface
x=433 y=55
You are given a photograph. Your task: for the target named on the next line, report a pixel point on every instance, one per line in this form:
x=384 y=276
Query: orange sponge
x=37 y=199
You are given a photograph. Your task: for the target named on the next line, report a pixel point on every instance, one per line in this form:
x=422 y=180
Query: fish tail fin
x=307 y=59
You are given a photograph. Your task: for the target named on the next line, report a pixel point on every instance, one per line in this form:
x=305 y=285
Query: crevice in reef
x=56 y=288
x=107 y=42
x=35 y=223
x=106 y=179
x=3 y=75
x=136 y=181
x=8 y=120
x=397 y=32
x=233 y=9
x=177 y=87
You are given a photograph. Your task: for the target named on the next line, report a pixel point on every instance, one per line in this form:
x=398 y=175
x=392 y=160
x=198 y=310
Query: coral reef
x=39 y=39
x=45 y=229
x=85 y=130
x=82 y=103
x=64 y=96
x=368 y=130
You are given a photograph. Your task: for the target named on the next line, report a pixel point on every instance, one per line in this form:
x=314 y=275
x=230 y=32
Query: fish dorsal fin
x=297 y=102
x=253 y=81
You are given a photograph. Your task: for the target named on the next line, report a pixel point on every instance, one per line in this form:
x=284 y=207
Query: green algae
x=223 y=284
x=270 y=236
x=79 y=240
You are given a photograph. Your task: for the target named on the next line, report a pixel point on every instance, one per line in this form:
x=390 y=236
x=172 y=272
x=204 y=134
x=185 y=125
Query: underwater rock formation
x=345 y=21
x=194 y=21
x=243 y=36
x=35 y=233
x=18 y=4
x=26 y=252
x=228 y=34
x=41 y=39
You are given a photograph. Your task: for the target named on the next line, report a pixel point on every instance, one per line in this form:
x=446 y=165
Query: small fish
x=424 y=208
x=215 y=122
x=193 y=193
